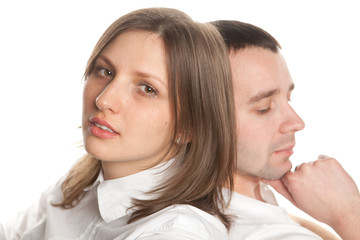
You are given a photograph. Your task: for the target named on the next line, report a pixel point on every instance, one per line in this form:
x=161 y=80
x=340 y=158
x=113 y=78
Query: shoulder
x=271 y=231
x=180 y=222
x=315 y=227
x=32 y=217
x=259 y=220
x=186 y=215
x=53 y=192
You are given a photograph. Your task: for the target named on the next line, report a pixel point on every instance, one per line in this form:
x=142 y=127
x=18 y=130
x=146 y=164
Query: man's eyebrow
x=262 y=95
x=266 y=94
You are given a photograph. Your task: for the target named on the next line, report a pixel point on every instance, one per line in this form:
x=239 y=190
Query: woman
x=157 y=126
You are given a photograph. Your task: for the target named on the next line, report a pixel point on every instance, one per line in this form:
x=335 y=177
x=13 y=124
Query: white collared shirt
x=257 y=220
x=104 y=212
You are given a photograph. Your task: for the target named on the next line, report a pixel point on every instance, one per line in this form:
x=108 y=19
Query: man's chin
x=274 y=173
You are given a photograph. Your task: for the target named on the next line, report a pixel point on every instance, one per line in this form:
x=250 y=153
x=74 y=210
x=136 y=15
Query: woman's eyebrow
x=151 y=76
x=106 y=60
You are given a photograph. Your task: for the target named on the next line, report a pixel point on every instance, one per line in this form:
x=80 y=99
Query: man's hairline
x=234 y=50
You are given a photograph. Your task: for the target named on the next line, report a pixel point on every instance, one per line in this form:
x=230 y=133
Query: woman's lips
x=102 y=129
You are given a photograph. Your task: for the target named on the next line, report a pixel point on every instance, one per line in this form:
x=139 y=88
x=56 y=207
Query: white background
x=44 y=47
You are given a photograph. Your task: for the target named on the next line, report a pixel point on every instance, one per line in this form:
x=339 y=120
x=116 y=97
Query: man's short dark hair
x=239 y=35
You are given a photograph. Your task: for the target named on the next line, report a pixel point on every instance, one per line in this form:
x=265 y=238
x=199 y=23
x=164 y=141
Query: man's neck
x=248 y=186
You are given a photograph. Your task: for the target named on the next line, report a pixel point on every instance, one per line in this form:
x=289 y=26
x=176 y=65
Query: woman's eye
x=106 y=73
x=103 y=73
x=148 y=90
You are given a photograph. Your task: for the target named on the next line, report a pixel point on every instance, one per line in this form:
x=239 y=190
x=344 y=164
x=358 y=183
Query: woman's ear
x=183 y=138
x=178 y=140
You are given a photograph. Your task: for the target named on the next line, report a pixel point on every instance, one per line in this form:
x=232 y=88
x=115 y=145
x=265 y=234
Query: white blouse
x=104 y=212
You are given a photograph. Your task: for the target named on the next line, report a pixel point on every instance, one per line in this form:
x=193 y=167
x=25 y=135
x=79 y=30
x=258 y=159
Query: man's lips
x=288 y=150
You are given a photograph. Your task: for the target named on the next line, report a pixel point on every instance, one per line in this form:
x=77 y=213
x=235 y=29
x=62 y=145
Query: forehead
x=135 y=42
x=256 y=70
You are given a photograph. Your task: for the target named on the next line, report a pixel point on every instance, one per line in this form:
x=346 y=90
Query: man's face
x=266 y=123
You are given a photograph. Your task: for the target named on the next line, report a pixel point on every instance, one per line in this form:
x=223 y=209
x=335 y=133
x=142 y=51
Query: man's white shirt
x=257 y=220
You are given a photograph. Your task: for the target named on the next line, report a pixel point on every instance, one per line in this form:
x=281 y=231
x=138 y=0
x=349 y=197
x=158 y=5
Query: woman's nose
x=109 y=99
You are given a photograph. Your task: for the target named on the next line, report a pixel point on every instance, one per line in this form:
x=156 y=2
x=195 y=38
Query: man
x=266 y=126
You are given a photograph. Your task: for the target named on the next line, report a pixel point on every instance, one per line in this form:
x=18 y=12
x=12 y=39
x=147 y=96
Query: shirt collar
x=115 y=196
x=252 y=211
x=99 y=179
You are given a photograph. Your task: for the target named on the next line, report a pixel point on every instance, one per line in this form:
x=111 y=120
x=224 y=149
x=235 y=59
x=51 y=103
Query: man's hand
x=325 y=191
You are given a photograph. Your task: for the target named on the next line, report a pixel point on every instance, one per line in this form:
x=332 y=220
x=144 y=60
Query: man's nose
x=292 y=121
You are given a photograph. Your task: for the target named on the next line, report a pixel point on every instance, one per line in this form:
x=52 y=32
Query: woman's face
x=126 y=113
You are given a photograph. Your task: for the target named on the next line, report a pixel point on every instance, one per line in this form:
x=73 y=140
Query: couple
x=162 y=99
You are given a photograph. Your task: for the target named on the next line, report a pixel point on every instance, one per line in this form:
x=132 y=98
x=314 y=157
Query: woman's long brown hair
x=201 y=100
